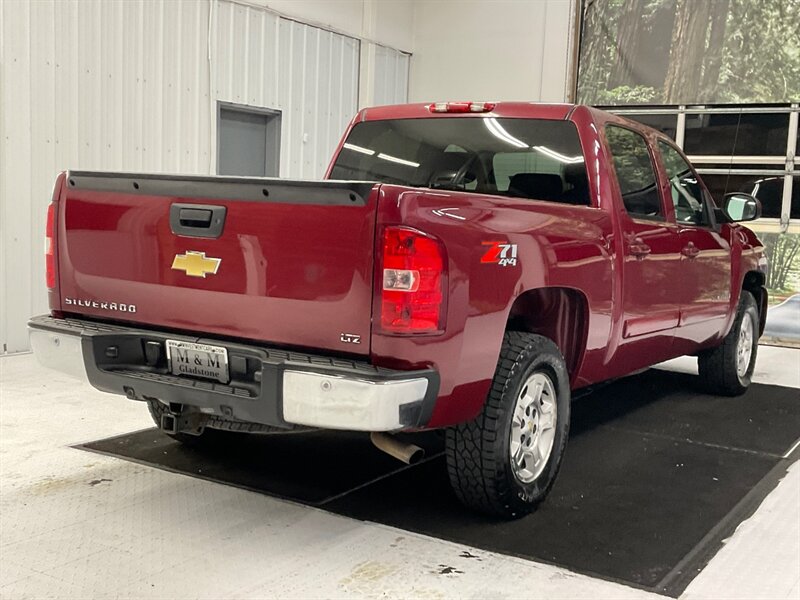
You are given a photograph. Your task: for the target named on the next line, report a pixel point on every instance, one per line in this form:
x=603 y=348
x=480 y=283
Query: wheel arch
x=755 y=283
x=560 y=314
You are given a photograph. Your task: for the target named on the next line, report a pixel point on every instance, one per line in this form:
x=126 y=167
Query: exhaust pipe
x=408 y=453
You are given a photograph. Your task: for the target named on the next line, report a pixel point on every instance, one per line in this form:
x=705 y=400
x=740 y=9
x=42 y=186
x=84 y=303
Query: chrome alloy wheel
x=744 y=347
x=533 y=427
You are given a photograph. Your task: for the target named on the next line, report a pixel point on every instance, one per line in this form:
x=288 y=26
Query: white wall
x=391 y=76
x=491 y=50
x=311 y=75
x=92 y=84
x=385 y=28
x=387 y=22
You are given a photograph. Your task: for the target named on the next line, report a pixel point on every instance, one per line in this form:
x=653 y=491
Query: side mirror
x=741 y=207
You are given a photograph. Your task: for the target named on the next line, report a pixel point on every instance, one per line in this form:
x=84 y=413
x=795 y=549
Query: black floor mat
x=656 y=475
x=313 y=467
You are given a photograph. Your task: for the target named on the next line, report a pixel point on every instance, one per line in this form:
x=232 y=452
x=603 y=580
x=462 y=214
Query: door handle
x=197 y=220
x=195 y=217
x=690 y=250
x=638 y=248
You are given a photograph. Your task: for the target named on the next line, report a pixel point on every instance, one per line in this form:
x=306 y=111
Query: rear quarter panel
x=557 y=246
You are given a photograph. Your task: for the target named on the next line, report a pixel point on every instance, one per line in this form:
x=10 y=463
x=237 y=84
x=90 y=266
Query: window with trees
x=689 y=51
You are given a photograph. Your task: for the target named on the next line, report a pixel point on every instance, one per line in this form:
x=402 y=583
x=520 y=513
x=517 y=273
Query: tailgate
x=280 y=261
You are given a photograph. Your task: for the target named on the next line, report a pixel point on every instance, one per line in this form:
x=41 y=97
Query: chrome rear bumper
x=59 y=351
x=268 y=385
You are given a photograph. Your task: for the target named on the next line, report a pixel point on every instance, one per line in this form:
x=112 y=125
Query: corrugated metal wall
x=104 y=85
x=309 y=74
x=391 y=75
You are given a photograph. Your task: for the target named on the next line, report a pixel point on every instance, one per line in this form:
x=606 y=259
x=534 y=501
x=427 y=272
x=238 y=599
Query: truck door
x=705 y=278
x=651 y=249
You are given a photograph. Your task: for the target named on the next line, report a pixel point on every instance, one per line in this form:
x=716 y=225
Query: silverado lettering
x=99 y=305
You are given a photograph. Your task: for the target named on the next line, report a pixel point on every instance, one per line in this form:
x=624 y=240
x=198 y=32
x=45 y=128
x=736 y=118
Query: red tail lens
x=49 y=249
x=413 y=271
x=461 y=107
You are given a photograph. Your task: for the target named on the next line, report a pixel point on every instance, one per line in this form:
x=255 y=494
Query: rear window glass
x=521 y=158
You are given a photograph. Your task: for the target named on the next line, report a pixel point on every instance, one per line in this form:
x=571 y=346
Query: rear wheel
x=728 y=369
x=505 y=461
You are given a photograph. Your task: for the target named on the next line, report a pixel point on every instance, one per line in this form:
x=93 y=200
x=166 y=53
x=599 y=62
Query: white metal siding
x=104 y=85
x=309 y=74
x=391 y=76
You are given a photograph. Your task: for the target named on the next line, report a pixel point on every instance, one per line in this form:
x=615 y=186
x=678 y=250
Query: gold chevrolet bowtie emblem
x=196 y=264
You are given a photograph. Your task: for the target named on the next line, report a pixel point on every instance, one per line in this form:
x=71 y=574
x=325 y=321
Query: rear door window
x=522 y=158
x=635 y=173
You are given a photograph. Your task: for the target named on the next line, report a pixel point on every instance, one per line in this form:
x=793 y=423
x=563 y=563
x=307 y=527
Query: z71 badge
x=500 y=253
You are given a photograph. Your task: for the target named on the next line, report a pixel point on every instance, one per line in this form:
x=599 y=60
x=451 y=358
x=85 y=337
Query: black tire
x=718 y=367
x=479 y=452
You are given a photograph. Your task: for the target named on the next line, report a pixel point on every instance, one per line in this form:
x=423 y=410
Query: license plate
x=198 y=360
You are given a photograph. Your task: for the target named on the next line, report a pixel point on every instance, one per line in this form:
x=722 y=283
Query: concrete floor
x=77 y=525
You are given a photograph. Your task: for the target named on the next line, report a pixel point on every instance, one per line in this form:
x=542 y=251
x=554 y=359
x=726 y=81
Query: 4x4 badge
x=500 y=253
x=196 y=264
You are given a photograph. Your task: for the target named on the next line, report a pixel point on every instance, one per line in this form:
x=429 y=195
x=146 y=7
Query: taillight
x=413 y=280
x=49 y=249
x=461 y=107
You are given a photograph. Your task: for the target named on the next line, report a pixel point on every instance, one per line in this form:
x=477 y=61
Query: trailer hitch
x=191 y=423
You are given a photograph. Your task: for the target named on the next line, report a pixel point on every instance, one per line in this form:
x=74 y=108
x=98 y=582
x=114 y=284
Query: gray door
x=249 y=142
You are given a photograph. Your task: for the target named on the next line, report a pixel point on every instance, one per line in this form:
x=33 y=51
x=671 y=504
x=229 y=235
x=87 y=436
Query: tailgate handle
x=197 y=220
x=195 y=217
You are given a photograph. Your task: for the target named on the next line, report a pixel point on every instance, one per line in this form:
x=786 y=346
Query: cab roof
x=422 y=110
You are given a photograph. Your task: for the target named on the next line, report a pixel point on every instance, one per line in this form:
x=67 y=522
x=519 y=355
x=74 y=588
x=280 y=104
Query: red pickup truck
x=464 y=266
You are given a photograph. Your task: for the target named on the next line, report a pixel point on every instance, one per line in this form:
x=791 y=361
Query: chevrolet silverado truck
x=464 y=266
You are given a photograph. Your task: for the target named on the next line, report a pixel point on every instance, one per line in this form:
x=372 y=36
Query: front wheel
x=728 y=369
x=505 y=461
